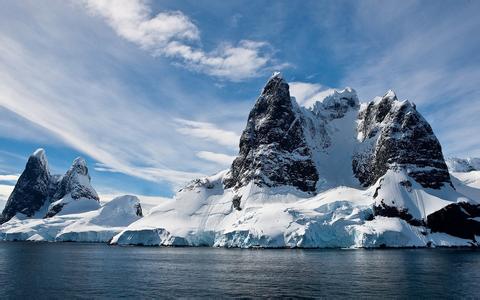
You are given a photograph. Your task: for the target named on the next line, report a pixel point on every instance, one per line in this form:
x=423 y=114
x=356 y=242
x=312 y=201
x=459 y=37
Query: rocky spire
x=394 y=135
x=74 y=185
x=273 y=150
x=32 y=189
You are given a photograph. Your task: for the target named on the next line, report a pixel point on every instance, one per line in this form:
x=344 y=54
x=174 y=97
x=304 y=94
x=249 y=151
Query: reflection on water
x=96 y=270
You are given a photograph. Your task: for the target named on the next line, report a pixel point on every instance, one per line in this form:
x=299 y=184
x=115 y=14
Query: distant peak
x=277 y=75
x=79 y=161
x=276 y=84
x=40 y=152
x=390 y=94
x=40 y=156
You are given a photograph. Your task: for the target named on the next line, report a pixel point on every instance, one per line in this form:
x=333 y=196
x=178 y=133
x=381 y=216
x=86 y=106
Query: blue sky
x=155 y=93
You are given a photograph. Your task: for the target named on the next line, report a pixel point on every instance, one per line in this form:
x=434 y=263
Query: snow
x=467 y=183
x=203 y=215
x=458 y=165
x=98 y=225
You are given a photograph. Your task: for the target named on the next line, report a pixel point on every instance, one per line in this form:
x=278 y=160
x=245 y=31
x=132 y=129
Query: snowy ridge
x=93 y=226
x=203 y=215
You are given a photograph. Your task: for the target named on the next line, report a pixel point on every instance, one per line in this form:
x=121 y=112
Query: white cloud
x=5 y=191
x=427 y=60
x=307 y=94
x=208 y=131
x=86 y=105
x=168 y=33
x=9 y=177
x=219 y=158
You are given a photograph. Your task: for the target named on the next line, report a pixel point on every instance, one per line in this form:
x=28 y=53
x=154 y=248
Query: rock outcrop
x=73 y=186
x=273 y=149
x=394 y=135
x=34 y=187
x=37 y=189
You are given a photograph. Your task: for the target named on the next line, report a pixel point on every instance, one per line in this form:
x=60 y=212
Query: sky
x=156 y=93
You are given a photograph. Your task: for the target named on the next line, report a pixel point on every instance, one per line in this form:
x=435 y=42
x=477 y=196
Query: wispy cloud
x=208 y=131
x=307 y=94
x=86 y=104
x=428 y=59
x=9 y=177
x=219 y=158
x=5 y=191
x=171 y=34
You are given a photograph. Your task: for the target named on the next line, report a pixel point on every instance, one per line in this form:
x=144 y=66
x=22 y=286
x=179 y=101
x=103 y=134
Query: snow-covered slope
x=203 y=215
x=93 y=226
x=337 y=174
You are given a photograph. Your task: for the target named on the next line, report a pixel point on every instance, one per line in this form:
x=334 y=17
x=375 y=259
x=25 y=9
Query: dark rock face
x=456 y=219
x=273 y=150
x=138 y=210
x=34 y=187
x=395 y=136
x=75 y=182
x=394 y=212
x=71 y=182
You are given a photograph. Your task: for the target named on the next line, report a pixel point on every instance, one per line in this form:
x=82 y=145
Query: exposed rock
x=394 y=135
x=75 y=184
x=457 y=219
x=37 y=188
x=32 y=190
x=273 y=150
x=394 y=212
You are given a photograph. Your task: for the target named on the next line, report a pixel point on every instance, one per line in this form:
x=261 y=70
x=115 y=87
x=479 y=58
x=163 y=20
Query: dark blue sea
x=68 y=270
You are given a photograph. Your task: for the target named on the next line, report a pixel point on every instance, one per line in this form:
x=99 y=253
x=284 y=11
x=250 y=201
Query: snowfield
x=202 y=214
x=98 y=225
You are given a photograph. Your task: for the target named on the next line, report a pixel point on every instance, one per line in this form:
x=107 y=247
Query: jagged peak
x=79 y=161
x=390 y=94
x=40 y=156
x=39 y=153
x=79 y=165
x=336 y=99
x=276 y=75
x=274 y=84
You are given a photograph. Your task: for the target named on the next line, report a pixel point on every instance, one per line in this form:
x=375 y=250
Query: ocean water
x=68 y=270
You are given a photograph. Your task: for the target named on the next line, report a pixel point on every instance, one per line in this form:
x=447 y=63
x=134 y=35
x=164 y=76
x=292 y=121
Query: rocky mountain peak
x=32 y=189
x=390 y=94
x=79 y=166
x=273 y=150
x=394 y=135
x=336 y=104
x=76 y=182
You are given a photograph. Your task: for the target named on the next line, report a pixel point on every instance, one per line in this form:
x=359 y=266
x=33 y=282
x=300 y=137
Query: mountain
x=337 y=174
x=45 y=207
x=463 y=164
x=38 y=193
x=273 y=149
x=74 y=189
x=98 y=225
